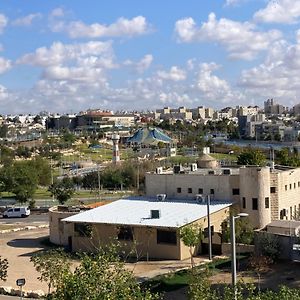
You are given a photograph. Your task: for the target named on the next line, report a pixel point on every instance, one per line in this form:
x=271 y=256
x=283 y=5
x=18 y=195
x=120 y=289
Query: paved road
x=3 y=297
x=33 y=219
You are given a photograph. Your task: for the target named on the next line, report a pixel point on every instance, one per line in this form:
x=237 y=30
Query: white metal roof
x=137 y=212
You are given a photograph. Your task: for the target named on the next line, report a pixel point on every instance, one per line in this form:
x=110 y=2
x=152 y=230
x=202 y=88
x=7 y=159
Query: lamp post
x=233 y=248
x=207 y=200
x=209 y=228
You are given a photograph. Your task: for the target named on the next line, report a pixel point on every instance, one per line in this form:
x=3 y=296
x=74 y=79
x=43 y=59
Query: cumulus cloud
x=3 y=22
x=5 y=65
x=27 y=20
x=57 y=13
x=241 y=40
x=175 y=74
x=142 y=65
x=277 y=76
x=95 y=52
x=280 y=11
x=121 y=28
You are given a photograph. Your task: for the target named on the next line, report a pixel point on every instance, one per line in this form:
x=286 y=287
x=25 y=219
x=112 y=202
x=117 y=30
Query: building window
x=83 y=229
x=298 y=183
x=290 y=186
x=285 y=187
x=205 y=231
x=235 y=191
x=273 y=189
x=166 y=237
x=125 y=233
x=267 y=202
x=294 y=185
x=178 y=190
x=200 y=191
x=190 y=190
x=291 y=212
x=212 y=191
x=254 y=203
x=244 y=202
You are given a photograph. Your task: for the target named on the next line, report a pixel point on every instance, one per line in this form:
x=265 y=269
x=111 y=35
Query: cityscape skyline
x=64 y=57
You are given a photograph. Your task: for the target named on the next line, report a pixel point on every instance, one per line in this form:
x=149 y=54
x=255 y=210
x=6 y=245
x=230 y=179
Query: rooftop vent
x=155 y=213
x=161 y=197
x=159 y=170
x=193 y=167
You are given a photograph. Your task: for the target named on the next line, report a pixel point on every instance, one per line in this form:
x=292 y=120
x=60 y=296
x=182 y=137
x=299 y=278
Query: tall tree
x=62 y=190
x=252 y=157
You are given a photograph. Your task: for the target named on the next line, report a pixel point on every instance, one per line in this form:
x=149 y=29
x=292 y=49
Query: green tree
x=101 y=276
x=191 y=236
x=19 y=178
x=62 y=190
x=42 y=169
x=268 y=245
x=3 y=268
x=52 y=265
x=252 y=157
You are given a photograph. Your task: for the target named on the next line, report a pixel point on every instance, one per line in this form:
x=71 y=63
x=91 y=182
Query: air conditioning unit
x=159 y=170
x=161 y=197
x=200 y=198
x=155 y=213
x=193 y=167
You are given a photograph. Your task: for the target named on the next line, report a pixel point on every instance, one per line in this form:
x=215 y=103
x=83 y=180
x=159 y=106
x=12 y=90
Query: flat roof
x=284 y=224
x=136 y=211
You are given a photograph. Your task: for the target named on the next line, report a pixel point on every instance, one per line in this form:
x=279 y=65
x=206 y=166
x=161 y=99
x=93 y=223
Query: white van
x=17 y=212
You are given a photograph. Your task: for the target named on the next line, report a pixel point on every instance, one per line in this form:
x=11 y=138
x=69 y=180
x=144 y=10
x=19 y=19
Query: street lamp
x=233 y=249
x=207 y=200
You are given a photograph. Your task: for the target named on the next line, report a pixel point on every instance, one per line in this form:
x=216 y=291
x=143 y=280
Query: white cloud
x=59 y=53
x=278 y=75
x=241 y=40
x=57 y=13
x=175 y=74
x=142 y=65
x=27 y=20
x=280 y=11
x=5 y=65
x=121 y=28
x=3 y=22
x=234 y=2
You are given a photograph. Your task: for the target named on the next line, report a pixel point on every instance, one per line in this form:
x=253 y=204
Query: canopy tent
x=150 y=136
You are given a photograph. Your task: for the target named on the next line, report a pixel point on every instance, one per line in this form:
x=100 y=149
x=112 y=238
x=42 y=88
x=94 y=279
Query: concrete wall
x=168 y=184
x=59 y=231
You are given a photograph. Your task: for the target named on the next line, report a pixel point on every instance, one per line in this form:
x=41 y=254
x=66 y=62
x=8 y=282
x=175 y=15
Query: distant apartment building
x=265 y=193
x=181 y=113
x=273 y=108
x=247 y=110
x=296 y=110
x=247 y=124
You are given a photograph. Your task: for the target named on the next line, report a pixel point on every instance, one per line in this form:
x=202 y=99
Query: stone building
x=265 y=193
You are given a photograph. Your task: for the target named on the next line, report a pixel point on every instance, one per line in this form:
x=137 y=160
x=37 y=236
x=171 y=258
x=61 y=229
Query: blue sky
x=64 y=56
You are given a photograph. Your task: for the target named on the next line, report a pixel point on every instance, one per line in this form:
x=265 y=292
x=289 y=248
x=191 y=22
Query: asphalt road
x=33 y=219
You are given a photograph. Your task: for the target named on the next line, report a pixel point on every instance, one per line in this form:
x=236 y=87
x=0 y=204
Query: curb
x=23 y=228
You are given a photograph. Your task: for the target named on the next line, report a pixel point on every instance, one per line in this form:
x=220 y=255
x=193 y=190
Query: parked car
x=17 y=212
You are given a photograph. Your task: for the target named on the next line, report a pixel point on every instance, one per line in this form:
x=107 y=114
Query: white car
x=17 y=212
